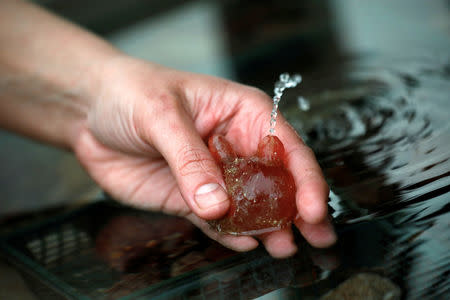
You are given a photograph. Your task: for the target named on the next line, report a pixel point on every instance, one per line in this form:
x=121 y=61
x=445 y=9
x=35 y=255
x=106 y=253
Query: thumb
x=198 y=176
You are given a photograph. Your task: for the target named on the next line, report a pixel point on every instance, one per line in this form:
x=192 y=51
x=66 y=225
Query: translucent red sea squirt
x=261 y=189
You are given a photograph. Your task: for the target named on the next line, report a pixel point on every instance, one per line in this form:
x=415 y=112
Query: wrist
x=88 y=86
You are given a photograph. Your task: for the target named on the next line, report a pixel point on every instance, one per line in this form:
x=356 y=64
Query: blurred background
x=247 y=41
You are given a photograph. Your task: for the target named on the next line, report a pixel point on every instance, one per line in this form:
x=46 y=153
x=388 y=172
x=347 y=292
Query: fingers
x=197 y=174
x=312 y=189
x=279 y=244
x=320 y=235
x=236 y=243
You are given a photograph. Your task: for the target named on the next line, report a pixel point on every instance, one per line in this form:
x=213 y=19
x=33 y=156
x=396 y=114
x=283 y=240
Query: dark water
x=381 y=132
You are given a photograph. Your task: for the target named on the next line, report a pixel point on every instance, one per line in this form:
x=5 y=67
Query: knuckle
x=194 y=161
x=257 y=92
x=302 y=150
x=162 y=101
x=166 y=104
x=293 y=153
x=260 y=94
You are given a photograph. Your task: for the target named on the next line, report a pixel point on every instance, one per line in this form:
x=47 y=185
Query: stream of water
x=286 y=81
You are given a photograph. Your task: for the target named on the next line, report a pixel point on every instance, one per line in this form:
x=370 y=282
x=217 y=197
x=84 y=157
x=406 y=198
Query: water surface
x=381 y=132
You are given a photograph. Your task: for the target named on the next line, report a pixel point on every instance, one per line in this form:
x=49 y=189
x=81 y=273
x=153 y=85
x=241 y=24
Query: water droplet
x=284 y=77
x=303 y=103
x=297 y=78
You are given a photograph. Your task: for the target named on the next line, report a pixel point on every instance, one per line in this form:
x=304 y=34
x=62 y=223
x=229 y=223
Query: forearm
x=48 y=72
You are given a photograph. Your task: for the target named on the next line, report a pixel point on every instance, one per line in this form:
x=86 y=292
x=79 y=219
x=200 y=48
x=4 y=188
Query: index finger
x=312 y=189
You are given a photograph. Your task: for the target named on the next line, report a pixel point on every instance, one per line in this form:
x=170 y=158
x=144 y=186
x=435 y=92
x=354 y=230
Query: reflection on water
x=381 y=132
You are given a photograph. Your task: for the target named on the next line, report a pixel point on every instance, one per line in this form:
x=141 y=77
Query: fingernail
x=209 y=195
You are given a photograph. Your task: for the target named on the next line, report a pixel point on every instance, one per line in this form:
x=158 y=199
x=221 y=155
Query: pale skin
x=139 y=129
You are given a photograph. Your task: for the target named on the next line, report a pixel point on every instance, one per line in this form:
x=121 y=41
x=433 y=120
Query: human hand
x=144 y=143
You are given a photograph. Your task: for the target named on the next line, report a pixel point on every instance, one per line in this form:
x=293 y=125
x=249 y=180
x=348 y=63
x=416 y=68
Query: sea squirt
x=261 y=189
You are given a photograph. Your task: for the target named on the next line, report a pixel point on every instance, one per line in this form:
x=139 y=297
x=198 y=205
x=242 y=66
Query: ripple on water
x=382 y=137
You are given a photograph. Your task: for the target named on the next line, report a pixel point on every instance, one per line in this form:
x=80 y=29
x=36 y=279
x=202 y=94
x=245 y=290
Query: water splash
x=286 y=81
x=303 y=103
